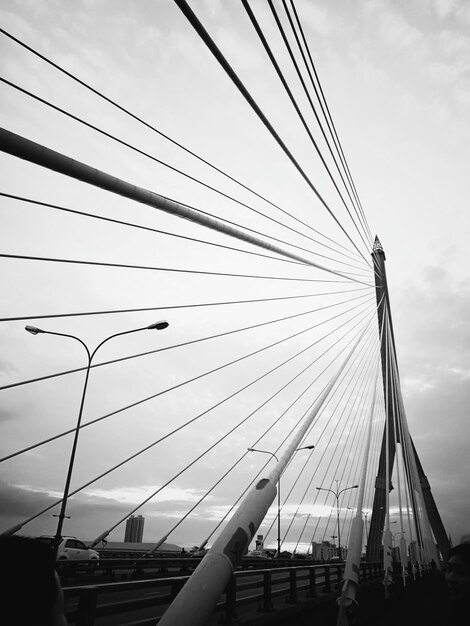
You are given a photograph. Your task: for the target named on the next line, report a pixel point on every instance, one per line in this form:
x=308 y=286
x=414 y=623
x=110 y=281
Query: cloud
x=450 y=64
x=136 y=495
x=397 y=32
x=463 y=14
x=453 y=44
x=317 y=18
x=240 y=52
x=444 y=8
x=437 y=336
x=21 y=502
x=434 y=361
x=462 y=92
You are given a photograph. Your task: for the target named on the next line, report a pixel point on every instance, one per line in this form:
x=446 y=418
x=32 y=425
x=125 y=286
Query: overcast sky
x=396 y=76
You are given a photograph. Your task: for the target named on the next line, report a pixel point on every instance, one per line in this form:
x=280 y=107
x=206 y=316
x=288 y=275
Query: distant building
x=323 y=551
x=121 y=549
x=134 y=529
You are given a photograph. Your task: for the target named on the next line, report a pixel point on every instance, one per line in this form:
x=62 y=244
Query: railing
x=144 y=601
x=125 y=568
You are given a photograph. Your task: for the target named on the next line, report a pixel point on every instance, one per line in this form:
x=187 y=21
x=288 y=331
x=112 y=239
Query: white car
x=258 y=554
x=71 y=549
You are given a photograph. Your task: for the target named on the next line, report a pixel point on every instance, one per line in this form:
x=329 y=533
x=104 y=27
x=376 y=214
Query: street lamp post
x=278 y=501
x=279 y=494
x=334 y=537
x=35 y=331
x=337 y=494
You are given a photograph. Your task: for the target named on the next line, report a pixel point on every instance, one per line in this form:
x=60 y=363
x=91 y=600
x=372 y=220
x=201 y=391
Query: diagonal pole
x=198 y=598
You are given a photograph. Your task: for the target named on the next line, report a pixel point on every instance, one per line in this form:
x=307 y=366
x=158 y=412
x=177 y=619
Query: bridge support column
x=377 y=521
x=435 y=521
x=394 y=412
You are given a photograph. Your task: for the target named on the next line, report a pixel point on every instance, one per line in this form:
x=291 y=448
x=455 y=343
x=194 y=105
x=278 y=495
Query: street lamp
x=35 y=331
x=278 y=501
x=337 y=494
x=311 y=447
x=334 y=543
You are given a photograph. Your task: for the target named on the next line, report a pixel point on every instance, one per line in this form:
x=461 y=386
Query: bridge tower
x=394 y=409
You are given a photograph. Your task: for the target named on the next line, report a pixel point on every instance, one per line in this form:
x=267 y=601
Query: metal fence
x=143 y=602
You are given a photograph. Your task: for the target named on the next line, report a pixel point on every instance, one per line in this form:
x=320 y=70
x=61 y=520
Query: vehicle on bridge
x=71 y=549
x=198 y=552
x=259 y=554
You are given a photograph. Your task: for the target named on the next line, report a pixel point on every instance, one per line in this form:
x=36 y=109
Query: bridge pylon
x=395 y=413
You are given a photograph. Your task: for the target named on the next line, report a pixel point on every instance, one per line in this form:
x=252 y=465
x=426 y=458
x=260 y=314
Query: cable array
x=113 y=229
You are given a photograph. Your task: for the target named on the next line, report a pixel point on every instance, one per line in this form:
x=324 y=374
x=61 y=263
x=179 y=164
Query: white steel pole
x=387 y=536
x=24 y=148
x=353 y=559
x=195 y=602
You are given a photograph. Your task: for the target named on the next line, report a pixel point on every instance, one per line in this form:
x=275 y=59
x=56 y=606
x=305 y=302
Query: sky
x=396 y=76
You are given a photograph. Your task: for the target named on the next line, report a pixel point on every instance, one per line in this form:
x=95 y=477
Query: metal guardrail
x=125 y=568
x=86 y=605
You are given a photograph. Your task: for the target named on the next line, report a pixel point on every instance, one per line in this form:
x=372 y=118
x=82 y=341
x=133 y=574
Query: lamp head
x=34 y=330
x=161 y=325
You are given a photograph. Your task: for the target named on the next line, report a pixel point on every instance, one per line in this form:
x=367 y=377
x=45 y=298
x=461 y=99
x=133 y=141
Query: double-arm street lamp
x=337 y=493
x=278 y=494
x=36 y=331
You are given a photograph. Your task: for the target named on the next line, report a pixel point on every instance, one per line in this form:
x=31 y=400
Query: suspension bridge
x=242 y=376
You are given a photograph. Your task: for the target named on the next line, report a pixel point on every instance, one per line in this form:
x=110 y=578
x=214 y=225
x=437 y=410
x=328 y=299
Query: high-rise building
x=134 y=529
x=323 y=551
